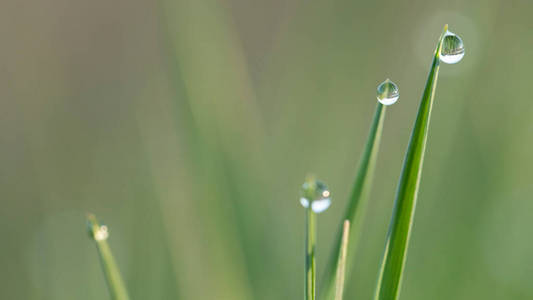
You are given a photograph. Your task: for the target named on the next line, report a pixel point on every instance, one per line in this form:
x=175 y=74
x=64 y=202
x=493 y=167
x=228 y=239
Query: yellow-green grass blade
x=310 y=260
x=394 y=257
x=357 y=203
x=339 y=283
x=117 y=288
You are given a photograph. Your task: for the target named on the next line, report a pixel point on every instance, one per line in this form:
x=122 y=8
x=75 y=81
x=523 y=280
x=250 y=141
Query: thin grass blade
x=394 y=257
x=339 y=284
x=117 y=288
x=357 y=203
x=310 y=260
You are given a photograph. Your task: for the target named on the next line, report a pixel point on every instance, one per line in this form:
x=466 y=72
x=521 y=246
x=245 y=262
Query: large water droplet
x=388 y=92
x=452 y=50
x=317 y=194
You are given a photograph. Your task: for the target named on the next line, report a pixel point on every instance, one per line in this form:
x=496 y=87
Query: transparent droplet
x=452 y=50
x=388 y=92
x=102 y=233
x=317 y=194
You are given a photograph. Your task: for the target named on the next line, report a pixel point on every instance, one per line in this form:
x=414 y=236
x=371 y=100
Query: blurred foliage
x=188 y=126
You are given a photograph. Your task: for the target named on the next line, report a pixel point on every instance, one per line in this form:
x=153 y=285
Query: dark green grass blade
x=392 y=264
x=116 y=286
x=339 y=282
x=357 y=203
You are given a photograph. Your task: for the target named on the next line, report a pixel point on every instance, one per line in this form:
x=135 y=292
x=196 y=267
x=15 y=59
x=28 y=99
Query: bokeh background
x=188 y=126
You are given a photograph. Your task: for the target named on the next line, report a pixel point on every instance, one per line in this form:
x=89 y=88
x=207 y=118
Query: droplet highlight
x=316 y=194
x=388 y=92
x=102 y=233
x=452 y=50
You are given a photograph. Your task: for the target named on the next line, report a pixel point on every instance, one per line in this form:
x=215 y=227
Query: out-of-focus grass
x=99 y=233
x=92 y=120
x=341 y=264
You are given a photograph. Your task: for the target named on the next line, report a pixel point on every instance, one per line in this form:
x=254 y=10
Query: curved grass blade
x=339 y=284
x=99 y=233
x=357 y=203
x=393 y=261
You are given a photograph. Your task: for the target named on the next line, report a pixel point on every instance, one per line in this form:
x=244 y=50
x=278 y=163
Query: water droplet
x=452 y=50
x=317 y=194
x=102 y=233
x=388 y=92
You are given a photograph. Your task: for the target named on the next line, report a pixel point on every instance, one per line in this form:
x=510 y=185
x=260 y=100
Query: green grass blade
x=98 y=233
x=339 y=285
x=393 y=261
x=310 y=262
x=357 y=203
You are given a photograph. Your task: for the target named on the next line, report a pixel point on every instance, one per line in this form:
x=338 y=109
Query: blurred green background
x=188 y=127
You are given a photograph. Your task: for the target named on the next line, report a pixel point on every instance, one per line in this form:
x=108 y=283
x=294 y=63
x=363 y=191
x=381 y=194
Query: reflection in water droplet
x=388 y=92
x=452 y=50
x=316 y=193
x=101 y=234
x=319 y=206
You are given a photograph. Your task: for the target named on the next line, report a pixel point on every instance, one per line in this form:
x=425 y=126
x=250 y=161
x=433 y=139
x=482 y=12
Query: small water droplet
x=452 y=50
x=388 y=92
x=316 y=193
x=102 y=233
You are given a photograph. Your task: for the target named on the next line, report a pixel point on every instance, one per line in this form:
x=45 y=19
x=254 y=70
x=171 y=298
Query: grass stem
x=357 y=202
x=310 y=263
x=394 y=257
